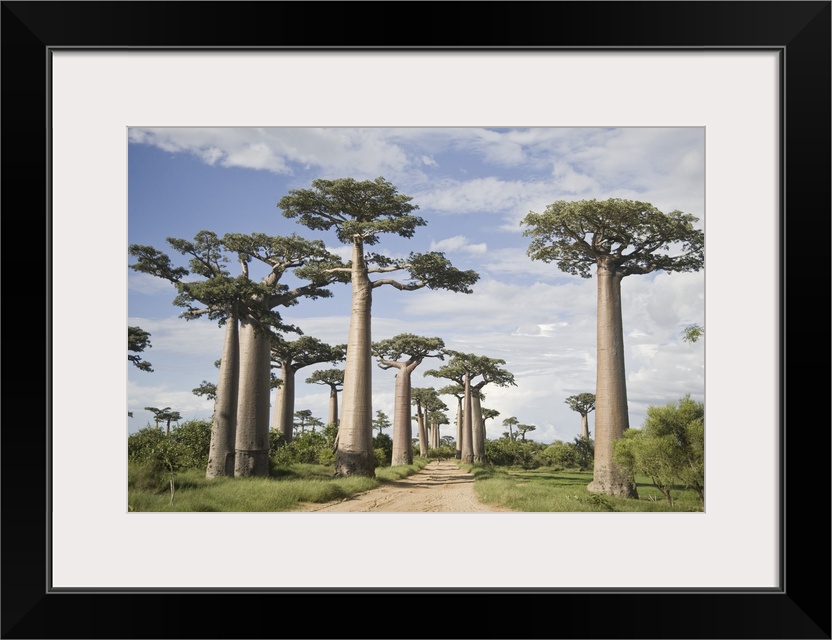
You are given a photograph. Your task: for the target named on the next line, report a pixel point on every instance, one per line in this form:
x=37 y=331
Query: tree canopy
x=627 y=236
x=137 y=341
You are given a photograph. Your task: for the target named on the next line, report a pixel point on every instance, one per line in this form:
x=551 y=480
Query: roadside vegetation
x=664 y=459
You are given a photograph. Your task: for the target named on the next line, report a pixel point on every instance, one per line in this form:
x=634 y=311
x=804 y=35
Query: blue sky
x=472 y=186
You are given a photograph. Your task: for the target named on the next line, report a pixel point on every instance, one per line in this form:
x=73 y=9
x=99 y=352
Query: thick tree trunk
x=332 y=418
x=467 y=443
x=423 y=433
x=458 y=443
x=402 y=429
x=611 y=413
x=584 y=426
x=284 y=407
x=223 y=424
x=354 y=455
x=252 y=441
x=477 y=427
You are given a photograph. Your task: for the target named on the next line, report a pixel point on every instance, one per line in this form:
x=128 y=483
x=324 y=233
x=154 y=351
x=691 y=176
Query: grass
x=548 y=490
x=284 y=490
x=545 y=489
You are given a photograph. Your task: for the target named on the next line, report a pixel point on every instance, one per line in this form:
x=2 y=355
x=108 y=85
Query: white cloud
x=458 y=243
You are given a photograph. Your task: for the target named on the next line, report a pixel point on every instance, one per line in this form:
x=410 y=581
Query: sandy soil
x=440 y=487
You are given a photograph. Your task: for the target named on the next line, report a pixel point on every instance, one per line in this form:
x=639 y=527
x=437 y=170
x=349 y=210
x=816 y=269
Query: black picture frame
x=799 y=31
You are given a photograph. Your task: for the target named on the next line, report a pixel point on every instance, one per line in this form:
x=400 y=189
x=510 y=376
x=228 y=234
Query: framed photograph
x=753 y=77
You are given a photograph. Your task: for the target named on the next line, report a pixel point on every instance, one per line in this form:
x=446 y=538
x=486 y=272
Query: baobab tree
x=334 y=379
x=166 y=415
x=303 y=419
x=422 y=398
x=314 y=266
x=245 y=307
x=435 y=419
x=137 y=341
x=511 y=422
x=583 y=403
x=458 y=392
x=522 y=429
x=290 y=357
x=619 y=238
x=462 y=368
x=404 y=353
x=359 y=212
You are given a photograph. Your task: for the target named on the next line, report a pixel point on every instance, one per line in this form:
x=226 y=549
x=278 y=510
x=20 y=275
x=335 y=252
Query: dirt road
x=440 y=487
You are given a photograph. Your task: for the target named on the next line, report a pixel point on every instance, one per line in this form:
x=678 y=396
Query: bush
x=194 y=438
x=669 y=448
x=310 y=447
x=186 y=447
x=446 y=452
x=383 y=450
x=514 y=453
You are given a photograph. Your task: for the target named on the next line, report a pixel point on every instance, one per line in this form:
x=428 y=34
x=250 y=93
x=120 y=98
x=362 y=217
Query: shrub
x=383 y=450
x=310 y=447
x=514 y=453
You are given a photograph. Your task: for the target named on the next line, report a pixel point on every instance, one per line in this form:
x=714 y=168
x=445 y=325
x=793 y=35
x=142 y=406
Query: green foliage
x=333 y=378
x=363 y=209
x=583 y=403
x=693 y=333
x=416 y=348
x=561 y=454
x=381 y=422
x=504 y=452
x=584 y=452
x=137 y=341
x=185 y=448
x=669 y=448
x=442 y=452
x=193 y=437
x=310 y=447
x=522 y=429
x=630 y=236
x=383 y=450
x=207 y=389
x=303 y=352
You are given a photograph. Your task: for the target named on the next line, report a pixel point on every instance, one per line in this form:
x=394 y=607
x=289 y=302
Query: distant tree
x=458 y=392
x=462 y=368
x=334 y=379
x=583 y=403
x=303 y=419
x=165 y=415
x=422 y=398
x=404 y=353
x=511 y=422
x=157 y=414
x=290 y=357
x=359 y=212
x=381 y=422
x=207 y=389
x=619 y=238
x=693 y=333
x=137 y=341
x=522 y=429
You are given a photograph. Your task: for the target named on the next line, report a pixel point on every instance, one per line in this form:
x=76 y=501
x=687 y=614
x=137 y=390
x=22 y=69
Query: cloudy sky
x=473 y=187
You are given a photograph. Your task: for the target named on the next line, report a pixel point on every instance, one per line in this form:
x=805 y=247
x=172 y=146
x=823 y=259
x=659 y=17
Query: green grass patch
x=284 y=490
x=548 y=490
